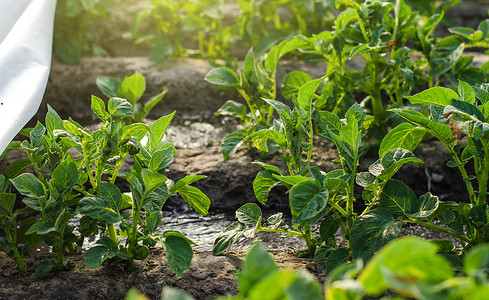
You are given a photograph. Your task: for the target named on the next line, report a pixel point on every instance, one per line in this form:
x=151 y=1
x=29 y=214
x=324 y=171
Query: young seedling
x=132 y=89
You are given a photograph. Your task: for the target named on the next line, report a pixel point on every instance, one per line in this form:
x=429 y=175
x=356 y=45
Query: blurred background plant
x=73 y=30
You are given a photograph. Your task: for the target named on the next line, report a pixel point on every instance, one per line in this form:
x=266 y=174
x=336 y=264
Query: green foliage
x=65 y=184
x=256 y=83
x=132 y=89
x=73 y=28
x=201 y=28
x=451 y=116
x=315 y=195
x=411 y=267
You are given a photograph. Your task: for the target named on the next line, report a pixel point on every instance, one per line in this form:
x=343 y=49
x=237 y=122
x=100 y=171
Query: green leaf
x=36 y=135
x=445 y=55
x=98 y=107
x=95 y=256
x=307 y=200
x=305 y=286
x=476 y=261
x=7 y=202
x=407 y=261
x=372 y=231
x=305 y=97
x=328 y=125
x=195 y=198
x=228 y=237
x=43 y=228
x=250 y=213
x=222 y=76
x=275 y=220
x=232 y=142
x=132 y=88
x=462 y=31
x=336 y=258
x=97 y=208
x=464 y=108
x=161 y=159
x=291 y=180
x=44 y=267
x=153 y=221
x=178 y=253
x=186 y=181
x=328 y=228
x=397 y=197
x=260 y=138
x=108 y=86
x=112 y=195
x=28 y=185
x=424 y=207
x=257 y=266
x=137 y=130
x=232 y=108
x=53 y=120
x=466 y=92
x=119 y=107
x=293 y=82
x=152 y=179
x=65 y=176
x=18 y=166
x=405 y=135
x=391 y=162
x=32 y=203
x=441 y=131
x=438 y=96
x=157 y=130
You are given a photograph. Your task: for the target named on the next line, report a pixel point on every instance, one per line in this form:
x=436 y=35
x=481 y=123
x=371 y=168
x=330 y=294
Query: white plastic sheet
x=26 y=34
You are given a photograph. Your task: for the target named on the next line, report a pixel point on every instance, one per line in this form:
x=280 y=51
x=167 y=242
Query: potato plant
x=315 y=196
x=65 y=184
x=132 y=89
x=73 y=28
x=174 y=20
x=255 y=82
x=450 y=117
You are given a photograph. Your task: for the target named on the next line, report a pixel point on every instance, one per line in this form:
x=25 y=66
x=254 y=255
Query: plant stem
x=438 y=228
x=88 y=166
x=135 y=220
x=307 y=236
x=117 y=168
x=59 y=250
x=484 y=176
x=12 y=239
x=470 y=188
x=311 y=141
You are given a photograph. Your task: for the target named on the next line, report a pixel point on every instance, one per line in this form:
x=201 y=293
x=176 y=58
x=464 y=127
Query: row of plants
x=76 y=171
x=321 y=203
x=211 y=30
x=406 y=268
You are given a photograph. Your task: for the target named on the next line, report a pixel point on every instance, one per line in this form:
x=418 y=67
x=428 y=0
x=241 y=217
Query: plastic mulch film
x=26 y=37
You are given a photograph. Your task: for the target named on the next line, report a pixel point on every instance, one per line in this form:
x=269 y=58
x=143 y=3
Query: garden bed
x=197 y=134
